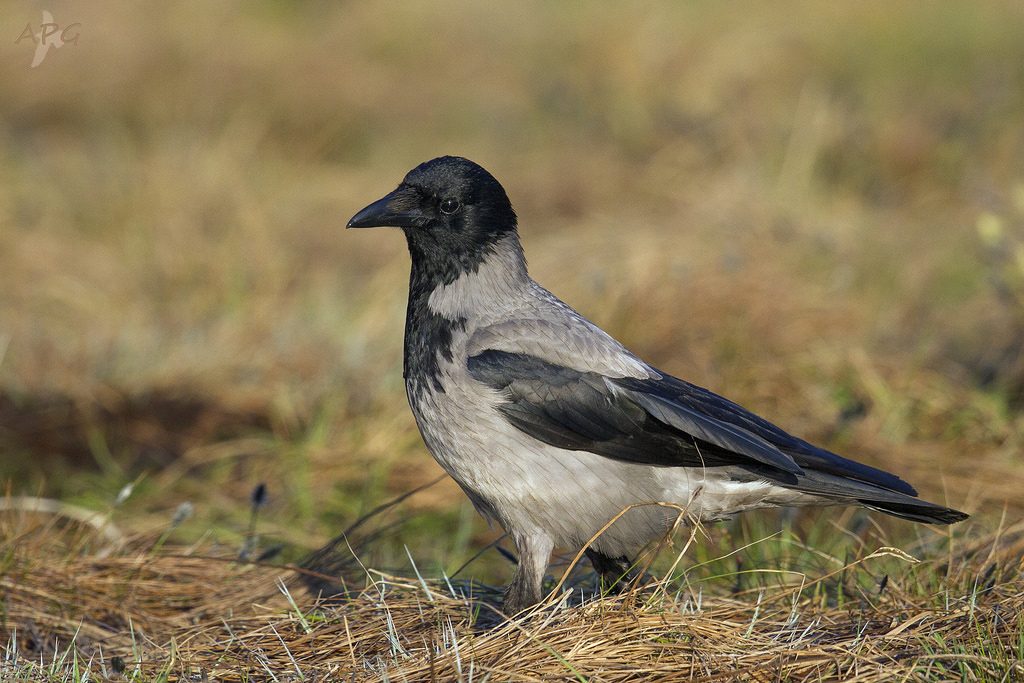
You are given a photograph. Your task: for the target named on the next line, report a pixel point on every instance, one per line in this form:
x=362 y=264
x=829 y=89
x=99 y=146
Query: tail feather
x=875 y=497
x=918 y=511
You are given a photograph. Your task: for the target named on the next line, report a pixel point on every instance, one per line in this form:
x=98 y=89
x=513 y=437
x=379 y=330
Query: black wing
x=671 y=423
x=587 y=411
x=806 y=455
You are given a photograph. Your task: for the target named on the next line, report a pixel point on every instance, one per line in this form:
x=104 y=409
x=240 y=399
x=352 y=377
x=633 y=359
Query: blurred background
x=816 y=209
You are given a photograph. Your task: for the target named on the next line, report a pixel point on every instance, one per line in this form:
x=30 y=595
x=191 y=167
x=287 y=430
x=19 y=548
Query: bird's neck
x=465 y=287
x=448 y=293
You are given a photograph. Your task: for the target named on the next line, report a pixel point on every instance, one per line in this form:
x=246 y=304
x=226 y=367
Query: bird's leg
x=525 y=589
x=613 y=571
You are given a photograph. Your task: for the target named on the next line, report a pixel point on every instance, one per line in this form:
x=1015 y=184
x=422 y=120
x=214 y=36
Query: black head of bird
x=448 y=207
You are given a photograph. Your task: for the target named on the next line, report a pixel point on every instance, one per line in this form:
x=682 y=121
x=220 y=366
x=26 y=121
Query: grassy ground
x=816 y=209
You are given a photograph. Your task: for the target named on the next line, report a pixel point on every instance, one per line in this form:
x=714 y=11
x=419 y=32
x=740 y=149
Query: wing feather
x=579 y=410
x=663 y=421
x=659 y=420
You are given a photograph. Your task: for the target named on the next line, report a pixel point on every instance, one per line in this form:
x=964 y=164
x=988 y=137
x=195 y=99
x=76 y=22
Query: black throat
x=428 y=335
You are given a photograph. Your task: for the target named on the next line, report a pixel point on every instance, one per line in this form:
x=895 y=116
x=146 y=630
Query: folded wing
x=666 y=422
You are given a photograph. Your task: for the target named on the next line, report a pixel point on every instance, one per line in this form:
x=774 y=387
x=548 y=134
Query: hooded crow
x=551 y=427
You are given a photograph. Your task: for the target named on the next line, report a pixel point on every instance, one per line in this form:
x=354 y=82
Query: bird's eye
x=450 y=206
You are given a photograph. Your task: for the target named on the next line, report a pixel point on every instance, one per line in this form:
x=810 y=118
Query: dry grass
x=817 y=210
x=196 y=613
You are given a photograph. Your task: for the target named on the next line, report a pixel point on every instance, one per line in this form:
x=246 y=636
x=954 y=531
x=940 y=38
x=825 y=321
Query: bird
x=551 y=427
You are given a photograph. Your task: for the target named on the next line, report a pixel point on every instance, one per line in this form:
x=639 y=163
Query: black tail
x=895 y=503
x=917 y=511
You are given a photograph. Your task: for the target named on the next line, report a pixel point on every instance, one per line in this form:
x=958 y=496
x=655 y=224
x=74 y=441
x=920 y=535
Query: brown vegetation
x=815 y=209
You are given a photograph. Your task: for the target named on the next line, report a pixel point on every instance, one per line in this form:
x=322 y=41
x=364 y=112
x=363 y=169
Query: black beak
x=400 y=209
